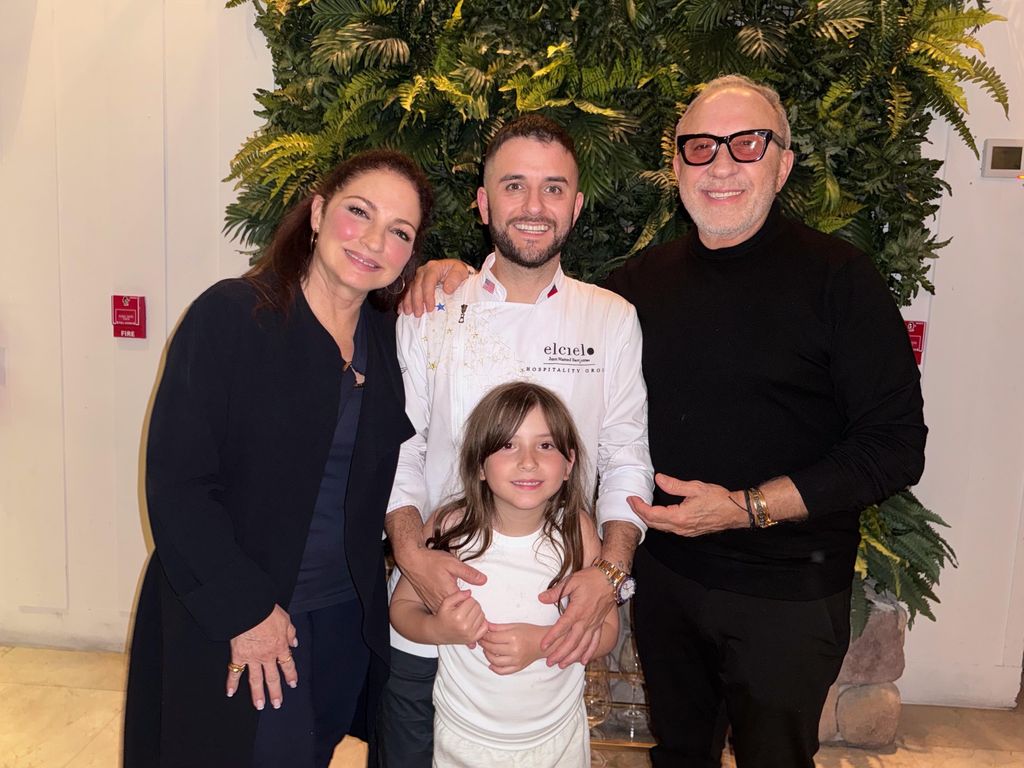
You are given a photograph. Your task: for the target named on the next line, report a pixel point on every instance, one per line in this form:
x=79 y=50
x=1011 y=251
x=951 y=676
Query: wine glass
x=597 y=696
x=629 y=666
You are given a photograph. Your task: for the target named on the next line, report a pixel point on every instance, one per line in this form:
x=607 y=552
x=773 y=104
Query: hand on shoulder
x=447 y=273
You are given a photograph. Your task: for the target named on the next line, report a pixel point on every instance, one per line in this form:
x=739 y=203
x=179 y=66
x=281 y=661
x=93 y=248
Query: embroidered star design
x=440 y=308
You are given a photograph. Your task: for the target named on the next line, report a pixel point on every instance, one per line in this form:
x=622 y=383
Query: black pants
x=405 y=728
x=332 y=660
x=768 y=662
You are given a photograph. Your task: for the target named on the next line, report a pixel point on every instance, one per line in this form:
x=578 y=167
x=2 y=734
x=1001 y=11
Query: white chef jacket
x=581 y=341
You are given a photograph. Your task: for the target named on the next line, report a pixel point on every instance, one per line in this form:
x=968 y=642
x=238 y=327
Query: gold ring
x=236 y=669
x=285 y=660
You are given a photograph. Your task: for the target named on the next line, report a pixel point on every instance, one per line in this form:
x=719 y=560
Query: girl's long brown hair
x=466 y=523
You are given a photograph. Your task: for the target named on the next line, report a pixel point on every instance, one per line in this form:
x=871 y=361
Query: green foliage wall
x=862 y=81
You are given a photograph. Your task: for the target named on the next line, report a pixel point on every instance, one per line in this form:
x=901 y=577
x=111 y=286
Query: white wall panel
x=193 y=216
x=33 y=559
x=110 y=145
x=974 y=402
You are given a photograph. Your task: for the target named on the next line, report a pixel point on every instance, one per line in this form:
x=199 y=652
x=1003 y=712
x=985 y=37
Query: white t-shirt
x=521 y=710
x=579 y=340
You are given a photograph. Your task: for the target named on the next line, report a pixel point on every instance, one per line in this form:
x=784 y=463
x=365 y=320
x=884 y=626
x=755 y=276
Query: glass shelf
x=617 y=733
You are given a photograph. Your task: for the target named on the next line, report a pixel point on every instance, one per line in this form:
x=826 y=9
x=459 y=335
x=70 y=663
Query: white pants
x=567 y=748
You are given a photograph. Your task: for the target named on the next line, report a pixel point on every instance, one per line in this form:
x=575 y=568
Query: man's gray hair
x=766 y=92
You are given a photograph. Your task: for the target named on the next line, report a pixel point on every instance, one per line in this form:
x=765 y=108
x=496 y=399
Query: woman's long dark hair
x=466 y=523
x=285 y=263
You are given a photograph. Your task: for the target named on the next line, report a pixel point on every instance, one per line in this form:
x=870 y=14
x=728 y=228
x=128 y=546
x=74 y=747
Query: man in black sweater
x=784 y=398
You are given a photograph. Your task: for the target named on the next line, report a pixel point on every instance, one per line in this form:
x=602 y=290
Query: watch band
x=623 y=585
x=612 y=572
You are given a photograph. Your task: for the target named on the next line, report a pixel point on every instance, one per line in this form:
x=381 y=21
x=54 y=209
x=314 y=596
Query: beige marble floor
x=62 y=709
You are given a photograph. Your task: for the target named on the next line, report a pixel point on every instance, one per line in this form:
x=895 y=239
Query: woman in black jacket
x=261 y=635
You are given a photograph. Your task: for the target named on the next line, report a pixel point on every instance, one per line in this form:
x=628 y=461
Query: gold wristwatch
x=622 y=583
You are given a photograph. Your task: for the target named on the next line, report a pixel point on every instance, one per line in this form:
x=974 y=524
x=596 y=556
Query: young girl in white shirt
x=524 y=522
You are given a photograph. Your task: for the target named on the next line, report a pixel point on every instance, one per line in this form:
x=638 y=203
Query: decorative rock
x=828 y=728
x=868 y=715
x=877 y=655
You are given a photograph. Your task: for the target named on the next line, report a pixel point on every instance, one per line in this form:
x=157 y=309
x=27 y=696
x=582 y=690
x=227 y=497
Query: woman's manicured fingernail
x=293 y=684
x=276 y=703
x=259 y=705
x=231 y=692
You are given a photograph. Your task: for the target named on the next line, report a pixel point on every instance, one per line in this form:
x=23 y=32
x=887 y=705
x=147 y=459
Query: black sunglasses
x=744 y=146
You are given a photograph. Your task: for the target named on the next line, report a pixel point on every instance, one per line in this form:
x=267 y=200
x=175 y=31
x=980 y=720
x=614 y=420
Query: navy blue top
x=324 y=577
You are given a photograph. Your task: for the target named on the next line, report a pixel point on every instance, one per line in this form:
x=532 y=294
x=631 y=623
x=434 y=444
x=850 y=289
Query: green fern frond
x=902 y=553
x=838 y=92
x=248 y=158
x=618 y=121
x=595 y=82
x=358 y=41
x=409 y=91
x=954 y=22
x=558 y=61
x=946 y=105
x=897 y=107
x=475 y=80
x=990 y=81
x=947 y=88
x=283 y=149
x=714 y=52
x=707 y=14
x=762 y=42
x=829 y=223
x=841 y=29
x=875 y=544
x=837 y=20
x=943 y=53
x=860 y=607
x=336 y=14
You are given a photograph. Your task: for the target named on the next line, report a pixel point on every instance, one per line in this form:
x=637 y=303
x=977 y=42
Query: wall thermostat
x=1003 y=158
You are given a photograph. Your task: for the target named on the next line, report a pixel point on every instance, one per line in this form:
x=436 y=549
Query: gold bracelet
x=762 y=518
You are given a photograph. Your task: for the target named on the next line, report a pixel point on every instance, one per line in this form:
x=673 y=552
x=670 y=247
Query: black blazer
x=238 y=439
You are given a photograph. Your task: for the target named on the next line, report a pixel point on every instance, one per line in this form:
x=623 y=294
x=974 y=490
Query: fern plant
x=901 y=554
x=862 y=81
x=436 y=80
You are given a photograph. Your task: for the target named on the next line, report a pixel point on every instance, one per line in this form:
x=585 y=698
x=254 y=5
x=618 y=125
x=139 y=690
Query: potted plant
x=900 y=558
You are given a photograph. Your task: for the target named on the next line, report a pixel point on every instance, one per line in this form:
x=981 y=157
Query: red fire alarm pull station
x=128 y=315
x=916 y=330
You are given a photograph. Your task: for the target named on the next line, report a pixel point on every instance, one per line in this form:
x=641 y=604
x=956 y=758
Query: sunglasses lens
x=699 y=151
x=748 y=147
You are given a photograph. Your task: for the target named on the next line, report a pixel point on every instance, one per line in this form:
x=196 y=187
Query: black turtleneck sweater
x=784 y=355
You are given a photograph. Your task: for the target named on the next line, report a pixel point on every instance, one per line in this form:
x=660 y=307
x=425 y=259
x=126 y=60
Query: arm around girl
x=523 y=520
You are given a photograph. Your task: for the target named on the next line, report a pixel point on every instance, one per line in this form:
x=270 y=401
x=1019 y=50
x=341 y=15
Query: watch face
x=627 y=589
